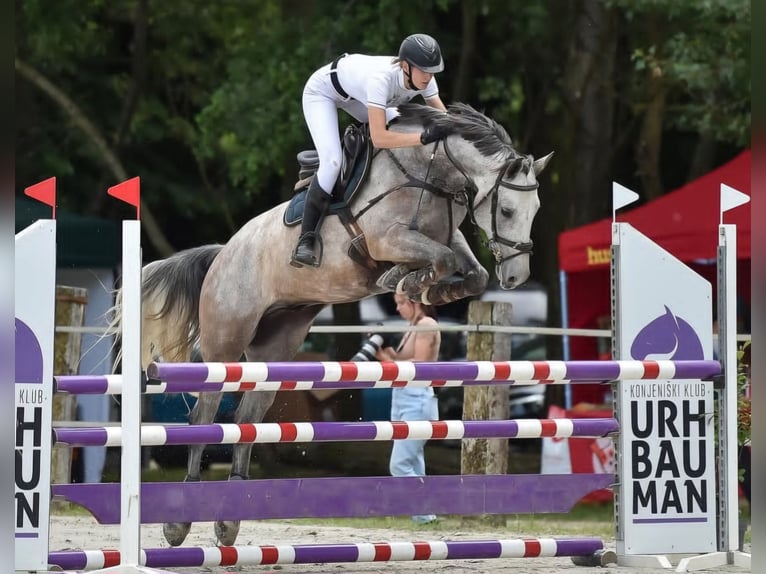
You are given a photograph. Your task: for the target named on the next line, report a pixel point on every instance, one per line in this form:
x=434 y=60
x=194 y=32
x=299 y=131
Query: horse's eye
x=506 y=211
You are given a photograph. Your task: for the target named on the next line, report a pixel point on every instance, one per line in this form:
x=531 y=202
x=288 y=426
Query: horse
x=244 y=298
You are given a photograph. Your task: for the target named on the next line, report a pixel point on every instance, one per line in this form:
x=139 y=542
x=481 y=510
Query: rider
x=369 y=88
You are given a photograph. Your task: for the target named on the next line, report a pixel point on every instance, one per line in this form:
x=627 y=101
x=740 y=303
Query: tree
x=692 y=75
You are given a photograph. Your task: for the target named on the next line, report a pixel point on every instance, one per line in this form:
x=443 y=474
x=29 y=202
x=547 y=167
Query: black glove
x=435 y=132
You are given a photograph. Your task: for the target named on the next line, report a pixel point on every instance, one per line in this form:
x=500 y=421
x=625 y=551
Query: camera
x=368 y=349
x=371 y=346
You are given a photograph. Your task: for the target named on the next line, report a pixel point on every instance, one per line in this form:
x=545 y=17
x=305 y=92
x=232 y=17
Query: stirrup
x=316 y=255
x=390 y=279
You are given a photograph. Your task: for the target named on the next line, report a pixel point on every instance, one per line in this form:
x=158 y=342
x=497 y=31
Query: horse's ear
x=541 y=163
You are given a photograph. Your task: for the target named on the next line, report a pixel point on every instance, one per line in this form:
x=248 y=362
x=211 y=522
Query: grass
x=584 y=520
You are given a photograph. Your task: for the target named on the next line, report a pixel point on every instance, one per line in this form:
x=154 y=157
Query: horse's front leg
x=474 y=276
x=421 y=261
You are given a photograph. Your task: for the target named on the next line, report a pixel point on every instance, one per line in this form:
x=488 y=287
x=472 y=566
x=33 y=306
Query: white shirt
x=378 y=82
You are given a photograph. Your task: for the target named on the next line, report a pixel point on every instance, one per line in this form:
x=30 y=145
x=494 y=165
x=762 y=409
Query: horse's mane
x=489 y=137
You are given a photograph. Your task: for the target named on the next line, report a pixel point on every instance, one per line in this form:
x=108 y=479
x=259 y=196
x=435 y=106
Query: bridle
x=467 y=195
x=470 y=191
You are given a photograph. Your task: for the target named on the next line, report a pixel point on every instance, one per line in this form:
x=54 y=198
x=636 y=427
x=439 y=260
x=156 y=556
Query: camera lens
x=368 y=349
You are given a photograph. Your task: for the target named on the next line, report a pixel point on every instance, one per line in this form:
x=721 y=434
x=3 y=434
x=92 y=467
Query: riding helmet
x=422 y=51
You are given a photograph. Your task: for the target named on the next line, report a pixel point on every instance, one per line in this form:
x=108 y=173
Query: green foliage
x=254 y=116
x=743 y=401
x=704 y=58
x=57 y=35
x=254 y=119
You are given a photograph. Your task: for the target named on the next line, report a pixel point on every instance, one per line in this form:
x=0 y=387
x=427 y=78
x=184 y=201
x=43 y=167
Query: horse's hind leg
x=204 y=412
x=252 y=408
x=280 y=334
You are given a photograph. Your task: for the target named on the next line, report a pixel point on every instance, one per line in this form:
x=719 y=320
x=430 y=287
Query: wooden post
x=70 y=312
x=486 y=456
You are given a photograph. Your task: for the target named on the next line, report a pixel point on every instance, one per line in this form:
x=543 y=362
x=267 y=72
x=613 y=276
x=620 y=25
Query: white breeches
x=320 y=109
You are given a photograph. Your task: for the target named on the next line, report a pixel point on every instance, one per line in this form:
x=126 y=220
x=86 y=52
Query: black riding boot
x=314 y=209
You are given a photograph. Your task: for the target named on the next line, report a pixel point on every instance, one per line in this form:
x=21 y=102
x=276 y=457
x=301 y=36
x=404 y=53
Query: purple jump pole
x=218 y=377
x=337 y=553
x=153 y=435
x=112 y=385
x=409 y=371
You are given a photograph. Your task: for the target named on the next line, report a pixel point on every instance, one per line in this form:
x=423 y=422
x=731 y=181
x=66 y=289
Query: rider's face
x=418 y=77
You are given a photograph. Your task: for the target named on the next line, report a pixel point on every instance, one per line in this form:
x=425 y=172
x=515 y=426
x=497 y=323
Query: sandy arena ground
x=82 y=532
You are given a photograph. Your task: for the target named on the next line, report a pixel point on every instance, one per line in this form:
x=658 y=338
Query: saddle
x=357 y=157
x=355 y=166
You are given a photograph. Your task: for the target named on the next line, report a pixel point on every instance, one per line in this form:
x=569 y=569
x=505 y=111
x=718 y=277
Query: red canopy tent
x=684 y=222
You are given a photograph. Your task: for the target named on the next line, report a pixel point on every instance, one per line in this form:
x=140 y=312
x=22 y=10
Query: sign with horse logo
x=667 y=484
x=33 y=390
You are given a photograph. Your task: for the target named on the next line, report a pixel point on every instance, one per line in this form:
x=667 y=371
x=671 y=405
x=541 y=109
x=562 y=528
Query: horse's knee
x=446 y=265
x=475 y=281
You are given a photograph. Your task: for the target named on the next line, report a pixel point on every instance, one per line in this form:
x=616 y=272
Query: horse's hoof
x=390 y=278
x=226 y=532
x=176 y=532
x=415 y=282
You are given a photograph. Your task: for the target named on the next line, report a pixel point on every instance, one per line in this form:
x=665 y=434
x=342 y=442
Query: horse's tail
x=170 y=292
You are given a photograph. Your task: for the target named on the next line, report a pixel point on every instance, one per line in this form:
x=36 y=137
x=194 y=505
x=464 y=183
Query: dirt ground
x=363 y=459
x=82 y=532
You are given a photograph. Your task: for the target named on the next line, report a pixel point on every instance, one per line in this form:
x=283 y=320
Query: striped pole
x=112 y=385
x=333 y=553
x=157 y=435
x=429 y=371
x=238 y=377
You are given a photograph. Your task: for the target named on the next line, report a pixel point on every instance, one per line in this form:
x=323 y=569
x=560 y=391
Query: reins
x=414 y=220
x=411 y=182
x=465 y=196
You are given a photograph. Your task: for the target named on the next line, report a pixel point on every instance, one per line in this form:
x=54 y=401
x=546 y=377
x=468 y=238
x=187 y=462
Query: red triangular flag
x=128 y=191
x=45 y=191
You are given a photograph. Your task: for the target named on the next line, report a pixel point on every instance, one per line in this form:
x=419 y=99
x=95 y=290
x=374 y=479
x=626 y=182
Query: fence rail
x=556 y=331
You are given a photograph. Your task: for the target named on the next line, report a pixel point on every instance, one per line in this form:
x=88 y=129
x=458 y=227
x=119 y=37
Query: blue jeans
x=407 y=459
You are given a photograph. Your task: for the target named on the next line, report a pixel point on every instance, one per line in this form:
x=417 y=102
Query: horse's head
x=500 y=185
x=506 y=205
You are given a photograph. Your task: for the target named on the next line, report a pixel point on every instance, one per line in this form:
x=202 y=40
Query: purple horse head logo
x=667 y=337
x=29 y=355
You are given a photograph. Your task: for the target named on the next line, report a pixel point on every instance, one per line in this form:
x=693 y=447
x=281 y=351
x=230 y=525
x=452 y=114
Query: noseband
x=470 y=191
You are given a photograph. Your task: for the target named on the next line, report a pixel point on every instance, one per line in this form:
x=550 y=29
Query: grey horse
x=245 y=298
